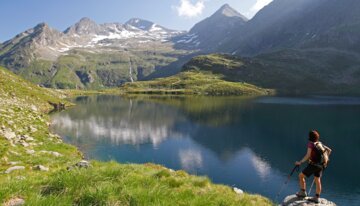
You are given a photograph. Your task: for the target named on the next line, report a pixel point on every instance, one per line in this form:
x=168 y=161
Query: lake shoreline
x=41 y=147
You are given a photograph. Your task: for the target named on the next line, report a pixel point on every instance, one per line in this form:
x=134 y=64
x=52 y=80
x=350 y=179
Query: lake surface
x=250 y=143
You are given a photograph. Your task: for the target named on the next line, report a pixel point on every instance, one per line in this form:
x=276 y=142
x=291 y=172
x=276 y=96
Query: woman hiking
x=317 y=157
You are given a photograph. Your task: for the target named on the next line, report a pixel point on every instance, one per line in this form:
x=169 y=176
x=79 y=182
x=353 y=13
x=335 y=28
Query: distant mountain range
x=90 y=55
x=49 y=44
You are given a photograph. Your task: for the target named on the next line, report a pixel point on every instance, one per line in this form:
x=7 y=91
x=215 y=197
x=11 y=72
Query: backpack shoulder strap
x=320 y=146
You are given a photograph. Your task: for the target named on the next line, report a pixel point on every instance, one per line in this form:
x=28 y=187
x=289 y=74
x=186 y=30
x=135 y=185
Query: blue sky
x=18 y=15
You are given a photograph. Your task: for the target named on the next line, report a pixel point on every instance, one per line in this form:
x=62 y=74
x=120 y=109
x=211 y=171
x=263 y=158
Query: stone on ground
x=238 y=191
x=293 y=200
x=14 y=168
x=41 y=168
x=15 y=202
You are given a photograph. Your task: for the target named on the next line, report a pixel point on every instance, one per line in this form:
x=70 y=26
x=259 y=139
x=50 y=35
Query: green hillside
x=86 y=70
x=194 y=82
x=294 y=72
x=25 y=141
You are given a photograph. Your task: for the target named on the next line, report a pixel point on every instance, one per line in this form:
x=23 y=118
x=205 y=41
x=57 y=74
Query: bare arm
x=305 y=158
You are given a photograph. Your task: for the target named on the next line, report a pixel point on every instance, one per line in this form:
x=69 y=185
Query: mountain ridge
x=209 y=33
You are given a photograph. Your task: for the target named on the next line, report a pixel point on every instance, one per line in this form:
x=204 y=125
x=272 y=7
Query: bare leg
x=318 y=185
x=302 y=182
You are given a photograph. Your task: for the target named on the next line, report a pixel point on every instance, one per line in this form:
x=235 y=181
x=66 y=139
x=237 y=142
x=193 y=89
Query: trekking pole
x=297 y=168
x=312 y=184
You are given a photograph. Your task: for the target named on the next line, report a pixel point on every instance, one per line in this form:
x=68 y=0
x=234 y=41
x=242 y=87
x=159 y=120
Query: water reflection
x=123 y=133
x=190 y=159
x=117 y=124
x=236 y=141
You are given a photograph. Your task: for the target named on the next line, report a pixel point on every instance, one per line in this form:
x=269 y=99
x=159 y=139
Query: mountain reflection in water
x=248 y=143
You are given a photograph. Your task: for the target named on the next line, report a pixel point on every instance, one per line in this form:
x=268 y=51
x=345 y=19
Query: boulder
x=34 y=108
x=30 y=152
x=9 y=170
x=26 y=138
x=40 y=168
x=238 y=191
x=293 y=200
x=56 y=154
x=8 y=134
x=14 y=202
x=14 y=163
x=32 y=129
x=82 y=164
x=24 y=144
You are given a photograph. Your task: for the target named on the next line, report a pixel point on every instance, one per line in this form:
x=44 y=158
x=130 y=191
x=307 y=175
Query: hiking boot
x=315 y=199
x=301 y=194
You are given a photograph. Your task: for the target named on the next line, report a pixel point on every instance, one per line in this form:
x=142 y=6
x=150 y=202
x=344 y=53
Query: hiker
x=317 y=157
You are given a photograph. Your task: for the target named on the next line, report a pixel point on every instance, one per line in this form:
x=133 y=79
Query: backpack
x=322 y=154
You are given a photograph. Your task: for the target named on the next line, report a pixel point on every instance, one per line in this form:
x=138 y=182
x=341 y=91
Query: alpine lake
x=249 y=143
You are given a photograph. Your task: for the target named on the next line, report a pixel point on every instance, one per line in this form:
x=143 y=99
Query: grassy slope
x=104 y=183
x=194 y=82
x=324 y=72
x=107 y=69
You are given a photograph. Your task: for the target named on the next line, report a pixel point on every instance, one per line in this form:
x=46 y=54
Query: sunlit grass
x=194 y=82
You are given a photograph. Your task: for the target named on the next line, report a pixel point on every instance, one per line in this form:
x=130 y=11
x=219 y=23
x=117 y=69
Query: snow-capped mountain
x=48 y=43
x=117 y=53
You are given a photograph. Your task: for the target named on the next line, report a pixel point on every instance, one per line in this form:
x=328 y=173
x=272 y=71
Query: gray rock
x=8 y=134
x=238 y=191
x=26 y=138
x=293 y=200
x=82 y=164
x=14 y=168
x=41 y=168
x=30 y=151
x=24 y=144
x=56 y=154
x=14 y=202
x=34 y=108
x=14 y=163
x=32 y=129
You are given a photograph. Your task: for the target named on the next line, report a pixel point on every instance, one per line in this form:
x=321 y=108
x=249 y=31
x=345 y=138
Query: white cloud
x=189 y=9
x=259 y=5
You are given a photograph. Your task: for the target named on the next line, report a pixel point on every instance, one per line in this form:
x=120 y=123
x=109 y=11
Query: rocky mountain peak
x=227 y=11
x=84 y=26
x=41 y=26
x=140 y=23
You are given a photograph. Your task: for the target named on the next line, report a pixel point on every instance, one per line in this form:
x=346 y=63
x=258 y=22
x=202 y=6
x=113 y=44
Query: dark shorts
x=315 y=170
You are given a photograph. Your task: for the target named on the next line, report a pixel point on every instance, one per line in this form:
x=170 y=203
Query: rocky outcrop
x=293 y=200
